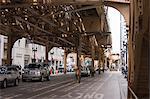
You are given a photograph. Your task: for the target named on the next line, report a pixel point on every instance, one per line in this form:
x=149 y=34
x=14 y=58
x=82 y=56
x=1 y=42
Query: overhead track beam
x=52 y=24
x=20 y=19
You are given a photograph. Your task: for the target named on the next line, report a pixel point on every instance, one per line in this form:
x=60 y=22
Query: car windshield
x=2 y=70
x=17 y=66
x=34 y=66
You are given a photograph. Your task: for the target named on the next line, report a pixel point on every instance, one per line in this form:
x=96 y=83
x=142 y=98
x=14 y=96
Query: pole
x=65 y=61
x=34 y=50
x=46 y=54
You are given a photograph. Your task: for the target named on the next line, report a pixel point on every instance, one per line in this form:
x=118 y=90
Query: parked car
x=85 y=71
x=18 y=68
x=8 y=75
x=36 y=71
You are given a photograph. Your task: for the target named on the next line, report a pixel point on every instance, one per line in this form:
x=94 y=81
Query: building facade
x=123 y=41
x=1 y=48
x=56 y=58
x=25 y=52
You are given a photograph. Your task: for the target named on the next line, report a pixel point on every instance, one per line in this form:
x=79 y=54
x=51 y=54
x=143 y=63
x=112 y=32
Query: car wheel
x=4 y=84
x=16 y=82
x=48 y=78
x=42 y=78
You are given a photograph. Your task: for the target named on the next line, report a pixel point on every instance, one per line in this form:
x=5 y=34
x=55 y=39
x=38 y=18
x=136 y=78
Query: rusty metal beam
x=75 y=2
x=20 y=19
x=2 y=32
x=44 y=40
x=54 y=3
x=52 y=24
x=116 y=1
x=97 y=33
x=44 y=19
x=47 y=32
x=80 y=9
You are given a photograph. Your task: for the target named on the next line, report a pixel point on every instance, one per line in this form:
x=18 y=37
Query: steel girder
x=59 y=24
x=40 y=20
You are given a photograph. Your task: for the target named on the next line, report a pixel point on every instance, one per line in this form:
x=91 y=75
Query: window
x=18 y=42
x=26 y=43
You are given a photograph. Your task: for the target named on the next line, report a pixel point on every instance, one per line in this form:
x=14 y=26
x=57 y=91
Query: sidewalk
x=123 y=86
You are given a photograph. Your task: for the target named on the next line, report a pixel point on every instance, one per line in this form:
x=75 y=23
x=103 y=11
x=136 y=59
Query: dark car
x=85 y=71
x=8 y=75
x=36 y=71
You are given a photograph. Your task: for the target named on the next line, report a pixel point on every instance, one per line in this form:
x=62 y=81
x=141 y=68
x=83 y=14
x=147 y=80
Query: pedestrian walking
x=77 y=73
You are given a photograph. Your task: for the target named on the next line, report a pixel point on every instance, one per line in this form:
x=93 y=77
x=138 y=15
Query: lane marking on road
x=72 y=87
x=90 y=81
x=51 y=85
x=85 y=94
x=99 y=96
x=76 y=85
x=99 y=87
x=68 y=95
x=14 y=96
x=94 y=94
x=91 y=86
x=53 y=96
x=50 y=90
x=80 y=95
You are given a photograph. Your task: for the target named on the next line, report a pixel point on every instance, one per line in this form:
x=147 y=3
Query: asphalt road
x=104 y=86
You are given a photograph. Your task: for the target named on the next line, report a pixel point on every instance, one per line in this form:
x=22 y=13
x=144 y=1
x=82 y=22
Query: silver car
x=8 y=75
x=85 y=71
x=36 y=71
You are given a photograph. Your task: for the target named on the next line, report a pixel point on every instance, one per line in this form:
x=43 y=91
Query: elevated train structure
x=81 y=26
x=53 y=23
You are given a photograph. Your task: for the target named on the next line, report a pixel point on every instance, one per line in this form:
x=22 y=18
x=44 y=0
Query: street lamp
x=51 y=57
x=34 y=49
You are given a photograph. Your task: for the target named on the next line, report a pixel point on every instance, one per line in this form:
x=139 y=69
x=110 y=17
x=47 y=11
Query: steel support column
x=93 y=57
x=46 y=53
x=139 y=43
x=9 y=49
x=79 y=53
x=65 y=61
x=99 y=61
x=48 y=47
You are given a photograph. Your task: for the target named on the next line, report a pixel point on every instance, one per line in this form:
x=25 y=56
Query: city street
x=108 y=85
